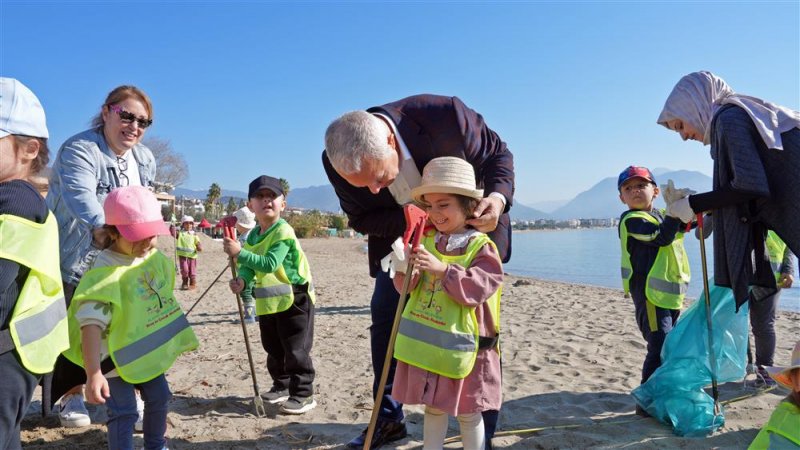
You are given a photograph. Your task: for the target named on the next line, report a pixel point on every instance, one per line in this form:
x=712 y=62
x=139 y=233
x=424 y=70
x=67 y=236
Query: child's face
x=188 y=226
x=445 y=213
x=15 y=159
x=638 y=194
x=134 y=248
x=267 y=205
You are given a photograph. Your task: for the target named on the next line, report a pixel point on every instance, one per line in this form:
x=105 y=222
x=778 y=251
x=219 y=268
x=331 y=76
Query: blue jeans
x=122 y=413
x=382 y=308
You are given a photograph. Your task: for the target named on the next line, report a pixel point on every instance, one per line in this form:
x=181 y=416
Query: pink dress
x=481 y=390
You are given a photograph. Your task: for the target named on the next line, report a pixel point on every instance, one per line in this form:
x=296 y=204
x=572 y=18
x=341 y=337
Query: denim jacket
x=84 y=172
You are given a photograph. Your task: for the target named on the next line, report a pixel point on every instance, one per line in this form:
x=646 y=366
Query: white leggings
x=434 y=430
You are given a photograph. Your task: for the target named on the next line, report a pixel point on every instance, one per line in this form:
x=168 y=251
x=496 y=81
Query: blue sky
x=246 y=88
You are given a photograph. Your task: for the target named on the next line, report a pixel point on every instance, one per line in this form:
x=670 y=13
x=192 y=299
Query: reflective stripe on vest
x=130 y=353
x=459 y=342
x=38 y=322
x=273 y=292
x=148 y=330
x=668 y=279
x=37 y=326
x=436 y=333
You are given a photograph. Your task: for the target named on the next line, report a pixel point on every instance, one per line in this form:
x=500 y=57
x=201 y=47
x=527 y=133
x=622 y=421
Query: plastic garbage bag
x=674 y=393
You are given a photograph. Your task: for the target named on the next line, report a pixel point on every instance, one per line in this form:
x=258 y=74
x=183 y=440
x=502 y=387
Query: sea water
x=592 y=257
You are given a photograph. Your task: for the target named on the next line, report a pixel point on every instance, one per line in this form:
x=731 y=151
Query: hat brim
x=418 y=192
x=4 y=133
x=138 y=231
x=246 y=226
x=781 y=375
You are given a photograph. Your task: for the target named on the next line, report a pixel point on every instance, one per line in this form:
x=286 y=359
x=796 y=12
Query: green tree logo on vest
x=429 y=310
x=150 y=287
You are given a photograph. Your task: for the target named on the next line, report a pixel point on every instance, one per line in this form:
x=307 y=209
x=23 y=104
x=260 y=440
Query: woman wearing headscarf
x=755 y=146
x=89 y=165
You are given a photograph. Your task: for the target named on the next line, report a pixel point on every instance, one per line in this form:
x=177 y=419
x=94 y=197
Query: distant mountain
x=547 y=206
x=522 y=212
x=599 y=202
x=322 y=197
x=602 y=199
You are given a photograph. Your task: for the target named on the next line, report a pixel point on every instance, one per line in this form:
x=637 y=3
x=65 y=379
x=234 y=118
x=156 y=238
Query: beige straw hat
x=447 y=175
x=781 y=374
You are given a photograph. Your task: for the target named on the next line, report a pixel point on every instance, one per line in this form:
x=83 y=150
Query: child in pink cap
x=126 y=327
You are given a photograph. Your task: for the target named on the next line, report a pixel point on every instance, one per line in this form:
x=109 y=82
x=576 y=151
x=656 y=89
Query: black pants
x=287 y=337
x=66 y=374
x=15 y=396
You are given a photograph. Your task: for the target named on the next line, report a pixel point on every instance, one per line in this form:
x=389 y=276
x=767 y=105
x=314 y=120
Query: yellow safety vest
x=273 y=291
x=777 y=250
x=38 y=324
x=148 y=330
x=436 y=333
x=783 y=423
x=186 y=245
x=668 y=279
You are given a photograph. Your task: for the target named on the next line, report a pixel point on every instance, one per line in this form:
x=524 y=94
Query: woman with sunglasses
x=89 y=165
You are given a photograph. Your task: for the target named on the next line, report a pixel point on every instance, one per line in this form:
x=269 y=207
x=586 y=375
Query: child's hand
x=231 y=247
x=96 y=388
x=424 y=260
x=236 y=285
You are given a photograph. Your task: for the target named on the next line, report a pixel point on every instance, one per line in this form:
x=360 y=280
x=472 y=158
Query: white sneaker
x=139 y=425
x=72 y=412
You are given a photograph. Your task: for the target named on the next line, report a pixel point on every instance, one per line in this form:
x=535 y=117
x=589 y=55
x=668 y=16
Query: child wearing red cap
x=654 y=267
x=126 y=327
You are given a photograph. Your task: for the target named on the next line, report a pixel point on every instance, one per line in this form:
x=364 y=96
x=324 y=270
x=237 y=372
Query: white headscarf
x=699 y=95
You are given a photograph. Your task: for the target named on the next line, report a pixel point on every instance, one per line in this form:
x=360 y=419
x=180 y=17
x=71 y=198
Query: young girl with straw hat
x=447 y=343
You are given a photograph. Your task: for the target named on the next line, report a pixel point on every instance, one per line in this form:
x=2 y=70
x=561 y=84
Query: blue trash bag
x=674 y=393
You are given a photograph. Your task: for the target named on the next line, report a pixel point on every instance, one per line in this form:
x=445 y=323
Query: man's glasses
x=127 y=117
x=122 y=163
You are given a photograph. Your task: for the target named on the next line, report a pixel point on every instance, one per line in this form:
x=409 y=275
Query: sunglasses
x=128 y=118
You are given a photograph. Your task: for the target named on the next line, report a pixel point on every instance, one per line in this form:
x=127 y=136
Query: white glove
x=395 y=261
x=680 y=209
x=671 y=193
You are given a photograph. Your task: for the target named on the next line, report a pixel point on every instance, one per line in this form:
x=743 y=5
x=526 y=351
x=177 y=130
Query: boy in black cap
x=274 y=265
x=654 y=267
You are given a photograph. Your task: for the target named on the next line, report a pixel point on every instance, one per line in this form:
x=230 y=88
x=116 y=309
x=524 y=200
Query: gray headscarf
x=698 y=96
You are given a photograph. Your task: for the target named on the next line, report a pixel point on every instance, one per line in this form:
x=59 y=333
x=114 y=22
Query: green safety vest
x=273 y=291
x=186 y=245
x=784 y=424
x=777 y=250
x=668 y=279
x=148 y=330
x=436 y=333
x=38 y=325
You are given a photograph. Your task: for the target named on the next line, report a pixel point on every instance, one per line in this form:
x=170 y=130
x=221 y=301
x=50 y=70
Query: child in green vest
x=272 y=263
x=447 y=349
x=126 y=327
x=655 y=268
x=33 y=329
x=187 y=246
x=783 y=429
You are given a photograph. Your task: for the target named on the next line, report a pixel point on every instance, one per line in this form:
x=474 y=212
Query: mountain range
x=598 y=202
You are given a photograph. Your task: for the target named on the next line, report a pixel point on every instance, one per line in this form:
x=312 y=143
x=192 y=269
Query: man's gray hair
x=354 y=137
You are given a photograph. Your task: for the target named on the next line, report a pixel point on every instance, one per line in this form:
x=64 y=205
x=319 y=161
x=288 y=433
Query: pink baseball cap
x=135 y=212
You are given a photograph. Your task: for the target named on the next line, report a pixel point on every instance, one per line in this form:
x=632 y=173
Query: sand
x=571 y=356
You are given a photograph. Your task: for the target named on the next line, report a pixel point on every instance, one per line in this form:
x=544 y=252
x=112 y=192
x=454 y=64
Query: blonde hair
x=120 y=94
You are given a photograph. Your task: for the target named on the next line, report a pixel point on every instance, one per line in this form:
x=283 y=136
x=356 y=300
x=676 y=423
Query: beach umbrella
x=204 y=224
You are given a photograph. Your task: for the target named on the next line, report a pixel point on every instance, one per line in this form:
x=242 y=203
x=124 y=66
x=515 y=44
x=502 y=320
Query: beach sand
x=571 y=356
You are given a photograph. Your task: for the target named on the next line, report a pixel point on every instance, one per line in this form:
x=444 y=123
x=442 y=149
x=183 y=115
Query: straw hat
x=185 y=219
x=781 y=374
x=447 y=175
x=245 y=218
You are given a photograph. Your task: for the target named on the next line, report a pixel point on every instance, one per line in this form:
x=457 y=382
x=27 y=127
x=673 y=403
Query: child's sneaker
x=763 y=378
x=138 y=427
x=276 y=395
x=72 y=412
x=298 y=405
x=249 y=314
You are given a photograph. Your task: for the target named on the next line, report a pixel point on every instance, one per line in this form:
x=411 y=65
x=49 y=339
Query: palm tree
x=214 y=193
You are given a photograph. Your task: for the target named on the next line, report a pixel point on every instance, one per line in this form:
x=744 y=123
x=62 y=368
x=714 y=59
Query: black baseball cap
x=265 y=182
